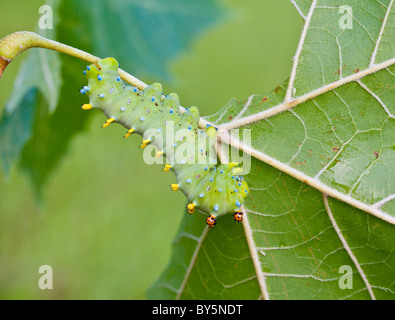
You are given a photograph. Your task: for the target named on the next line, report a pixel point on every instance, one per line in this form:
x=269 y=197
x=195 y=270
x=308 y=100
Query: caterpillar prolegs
x=216 y=189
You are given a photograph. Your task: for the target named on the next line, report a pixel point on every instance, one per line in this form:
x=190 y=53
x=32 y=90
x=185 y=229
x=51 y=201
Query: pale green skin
x=138 y=105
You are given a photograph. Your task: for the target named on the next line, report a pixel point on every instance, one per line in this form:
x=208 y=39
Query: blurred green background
x=106 y=220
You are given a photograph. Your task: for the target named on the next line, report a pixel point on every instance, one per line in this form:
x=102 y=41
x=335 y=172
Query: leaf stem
x=254 y=257
x=347 y=247
x=16 y=43
x=284 y=106
x=313 y=182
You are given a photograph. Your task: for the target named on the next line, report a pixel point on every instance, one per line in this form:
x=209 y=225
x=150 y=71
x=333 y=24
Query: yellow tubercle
x=108 y=122
x=87 y=106
x=158 y=154
x=146 y=141
x=174 y=187
x=129 y=133
x=191 y=207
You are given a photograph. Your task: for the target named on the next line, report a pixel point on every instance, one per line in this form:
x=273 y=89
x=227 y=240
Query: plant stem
x=16 y=43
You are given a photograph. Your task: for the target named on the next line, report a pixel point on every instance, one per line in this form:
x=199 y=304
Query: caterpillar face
x=216 y=189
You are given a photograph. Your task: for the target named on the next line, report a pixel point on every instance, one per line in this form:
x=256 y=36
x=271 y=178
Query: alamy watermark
x=346 y=20
x=345 y=281
x=46 y=280
x=46 y=19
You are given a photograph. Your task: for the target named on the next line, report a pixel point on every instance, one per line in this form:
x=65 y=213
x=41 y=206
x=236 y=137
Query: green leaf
x=302 y=6
x=322 y=177
x=143 y=35
x=52 y=132
x=208 y=265
x=39 y=75
x=15 y=129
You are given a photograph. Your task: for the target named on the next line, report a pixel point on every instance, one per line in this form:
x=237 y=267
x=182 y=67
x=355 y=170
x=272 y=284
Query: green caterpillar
x=214 y=189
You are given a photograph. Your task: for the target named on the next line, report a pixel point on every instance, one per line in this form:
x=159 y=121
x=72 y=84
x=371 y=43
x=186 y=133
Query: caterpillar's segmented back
x=216 y=189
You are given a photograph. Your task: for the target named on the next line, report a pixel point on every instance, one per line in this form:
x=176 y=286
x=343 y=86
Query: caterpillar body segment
x=216 y=189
